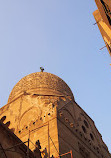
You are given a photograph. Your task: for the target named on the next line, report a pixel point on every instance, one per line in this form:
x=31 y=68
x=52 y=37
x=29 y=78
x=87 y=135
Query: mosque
x=42 y=119
x=42 y=113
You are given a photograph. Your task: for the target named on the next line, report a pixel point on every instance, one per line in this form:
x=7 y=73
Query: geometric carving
x=39 y=80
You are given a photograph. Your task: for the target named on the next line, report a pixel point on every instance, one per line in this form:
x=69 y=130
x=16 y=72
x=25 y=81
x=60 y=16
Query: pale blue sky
x=60 y=36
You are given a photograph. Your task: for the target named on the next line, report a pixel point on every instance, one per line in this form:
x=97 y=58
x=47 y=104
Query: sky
x=60 y=36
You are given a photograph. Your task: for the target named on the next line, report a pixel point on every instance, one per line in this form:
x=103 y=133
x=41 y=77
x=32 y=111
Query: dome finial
x=42 y=69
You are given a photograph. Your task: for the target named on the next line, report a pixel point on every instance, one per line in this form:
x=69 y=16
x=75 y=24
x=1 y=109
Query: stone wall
x=11 y=146
x=77 y=132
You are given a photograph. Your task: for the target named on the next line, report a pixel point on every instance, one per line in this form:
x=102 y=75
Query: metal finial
x=42 y=69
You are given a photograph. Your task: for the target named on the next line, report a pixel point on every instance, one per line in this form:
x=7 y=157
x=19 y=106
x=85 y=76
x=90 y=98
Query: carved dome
x=41 y=83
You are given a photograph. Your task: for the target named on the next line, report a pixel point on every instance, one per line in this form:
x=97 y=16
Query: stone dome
x=41 y=83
